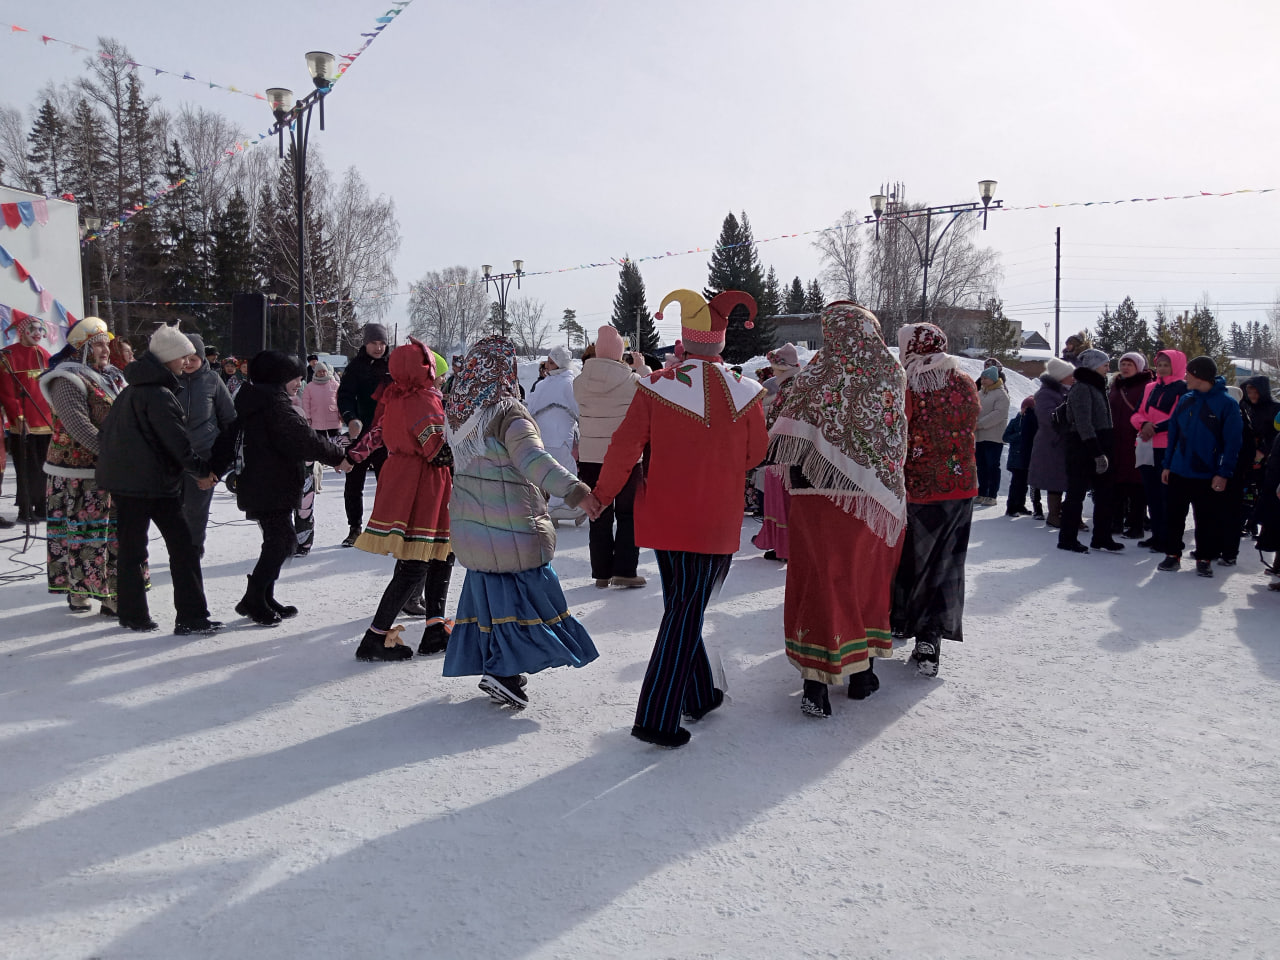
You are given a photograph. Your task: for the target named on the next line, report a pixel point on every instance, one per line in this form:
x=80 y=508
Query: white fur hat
x=561 y=356
x=170 y=343
x=1058 y=369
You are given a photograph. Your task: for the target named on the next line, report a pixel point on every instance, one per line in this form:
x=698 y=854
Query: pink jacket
x=320 y=404
x=1160 y=397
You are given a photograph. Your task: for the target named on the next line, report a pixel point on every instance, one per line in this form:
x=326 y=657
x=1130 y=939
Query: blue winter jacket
x=1017 y=458
x=1204 y=434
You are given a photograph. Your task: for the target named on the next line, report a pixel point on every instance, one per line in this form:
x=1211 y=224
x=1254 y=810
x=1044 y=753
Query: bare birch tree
x=449 y=309
x=841 y=251
x=15 y=168
x=526 y=325
x=364 y=237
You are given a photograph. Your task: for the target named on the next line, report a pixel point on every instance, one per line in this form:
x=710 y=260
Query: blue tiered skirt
x=510 y=623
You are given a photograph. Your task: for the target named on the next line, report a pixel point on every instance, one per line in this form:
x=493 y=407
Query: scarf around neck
x=842 y=422
x=485 y=387
x=922 y=349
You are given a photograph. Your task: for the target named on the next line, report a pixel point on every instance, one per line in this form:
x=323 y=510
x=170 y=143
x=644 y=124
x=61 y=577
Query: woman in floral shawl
x=83 y=546
x=841 y=431
x=512 y=616
x=772 y=538
x=942 y=480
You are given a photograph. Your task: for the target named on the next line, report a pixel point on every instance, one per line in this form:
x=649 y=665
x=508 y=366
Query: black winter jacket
x=207 y=405
x=144 y=449
x=1261 y=415
x=1090 y=411
x=278 y=442
x=359 y=380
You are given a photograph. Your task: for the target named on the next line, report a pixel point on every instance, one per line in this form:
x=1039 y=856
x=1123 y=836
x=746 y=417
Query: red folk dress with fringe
x=410 y=517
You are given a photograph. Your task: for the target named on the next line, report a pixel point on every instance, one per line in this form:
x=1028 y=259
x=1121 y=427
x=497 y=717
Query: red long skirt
x=839 y=585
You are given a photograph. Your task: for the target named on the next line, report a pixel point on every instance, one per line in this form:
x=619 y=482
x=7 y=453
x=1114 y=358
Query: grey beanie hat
x=374 y=331
x=170 y=343
x=1091 y=358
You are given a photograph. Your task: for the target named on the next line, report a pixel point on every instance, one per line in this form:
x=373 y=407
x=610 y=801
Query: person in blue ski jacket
x=1204 y=442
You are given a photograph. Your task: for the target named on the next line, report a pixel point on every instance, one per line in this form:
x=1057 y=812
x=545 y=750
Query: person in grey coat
x=208 y=407
x=1088 y=466
x=1047 y=467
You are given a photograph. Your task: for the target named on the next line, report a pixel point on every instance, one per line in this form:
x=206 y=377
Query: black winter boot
x=254 y=604
x=864 y=684
x=284 y=610
x=383 y=646
x=435 y=638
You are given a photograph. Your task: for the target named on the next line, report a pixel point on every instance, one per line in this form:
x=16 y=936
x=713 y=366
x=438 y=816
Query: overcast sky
x=571 y=132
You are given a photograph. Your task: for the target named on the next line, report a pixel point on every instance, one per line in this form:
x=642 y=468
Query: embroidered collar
x=685 y=387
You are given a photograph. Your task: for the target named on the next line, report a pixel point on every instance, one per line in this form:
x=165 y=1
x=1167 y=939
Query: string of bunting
x=185 y=75
x=241 y=146
x=47 y=300
x=24 y=213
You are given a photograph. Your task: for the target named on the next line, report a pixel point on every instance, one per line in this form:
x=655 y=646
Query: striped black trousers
x=679 y=674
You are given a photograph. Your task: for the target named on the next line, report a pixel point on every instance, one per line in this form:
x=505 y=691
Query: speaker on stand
x=248 y=324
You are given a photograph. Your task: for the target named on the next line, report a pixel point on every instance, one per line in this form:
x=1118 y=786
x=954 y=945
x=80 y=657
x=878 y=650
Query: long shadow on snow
x=544 y=858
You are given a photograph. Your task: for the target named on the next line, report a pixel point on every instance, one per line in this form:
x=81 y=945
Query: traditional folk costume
x=512 y=616
x=27 y=411
x=82 y=543
x=410 y=517
x=705 y=429
x=841 y=434
x=941 y=476
x=773 y=537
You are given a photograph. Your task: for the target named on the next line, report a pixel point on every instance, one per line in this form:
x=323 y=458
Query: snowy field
x=1095 y=773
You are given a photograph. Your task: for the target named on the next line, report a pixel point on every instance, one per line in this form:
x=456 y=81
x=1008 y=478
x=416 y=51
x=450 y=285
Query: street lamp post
x=296 y=118
x=90 y=225
x=503 y=283
x=879 y=207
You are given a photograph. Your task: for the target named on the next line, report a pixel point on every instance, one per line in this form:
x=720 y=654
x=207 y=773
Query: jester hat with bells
x=703 y=324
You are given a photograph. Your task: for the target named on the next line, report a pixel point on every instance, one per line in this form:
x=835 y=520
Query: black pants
x=1158 y=506
x=195 y=510
x=1017 y=490
x=1081 y=478
x=406 y=581
x=1198 y=494
x=679 y=673
x=28 y=455
x=353 y=491
x=278 y=543
x=613 y=554
x=1131 y=508
x=135 y=515
x=987 y=453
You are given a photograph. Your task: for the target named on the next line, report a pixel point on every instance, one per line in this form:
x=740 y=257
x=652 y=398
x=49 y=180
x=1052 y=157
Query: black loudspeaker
x=248 y=324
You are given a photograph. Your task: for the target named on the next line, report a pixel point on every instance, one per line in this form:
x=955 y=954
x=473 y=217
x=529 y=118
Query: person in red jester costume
x=704 y=425
x=27 y=411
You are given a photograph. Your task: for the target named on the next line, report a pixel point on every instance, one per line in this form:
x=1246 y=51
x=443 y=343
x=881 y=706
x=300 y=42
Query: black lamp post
x=296 y=118
x=503 y=282
x=90 y=225
x=879 y=207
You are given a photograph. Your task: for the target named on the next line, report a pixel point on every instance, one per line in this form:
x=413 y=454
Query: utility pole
x=1057 y=290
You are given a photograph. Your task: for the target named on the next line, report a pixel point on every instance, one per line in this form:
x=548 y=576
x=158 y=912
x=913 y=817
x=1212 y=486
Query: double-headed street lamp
x=503 y=282
x=880 y=210
x=296 y=117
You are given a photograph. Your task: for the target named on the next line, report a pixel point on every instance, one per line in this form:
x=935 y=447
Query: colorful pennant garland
x=47 y=302
x=24 y=213
x=46 y=39
x=241 y=146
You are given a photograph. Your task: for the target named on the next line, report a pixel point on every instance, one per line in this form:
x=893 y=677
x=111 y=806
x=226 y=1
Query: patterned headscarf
x=922 y=348
x=843 y=422
x=481 y=390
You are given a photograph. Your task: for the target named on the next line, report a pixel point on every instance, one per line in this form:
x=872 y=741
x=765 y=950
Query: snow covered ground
x=1093 y=774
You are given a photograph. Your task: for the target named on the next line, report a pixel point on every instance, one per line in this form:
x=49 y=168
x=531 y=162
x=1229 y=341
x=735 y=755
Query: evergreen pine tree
x=794 y=303
x=631 y=316
x=48 y=156
x=572 y=329
x=183 y=268
x=996 y=334
x=735 y=265
x=814 y=299
x=771 y=300
x=1238 y=338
